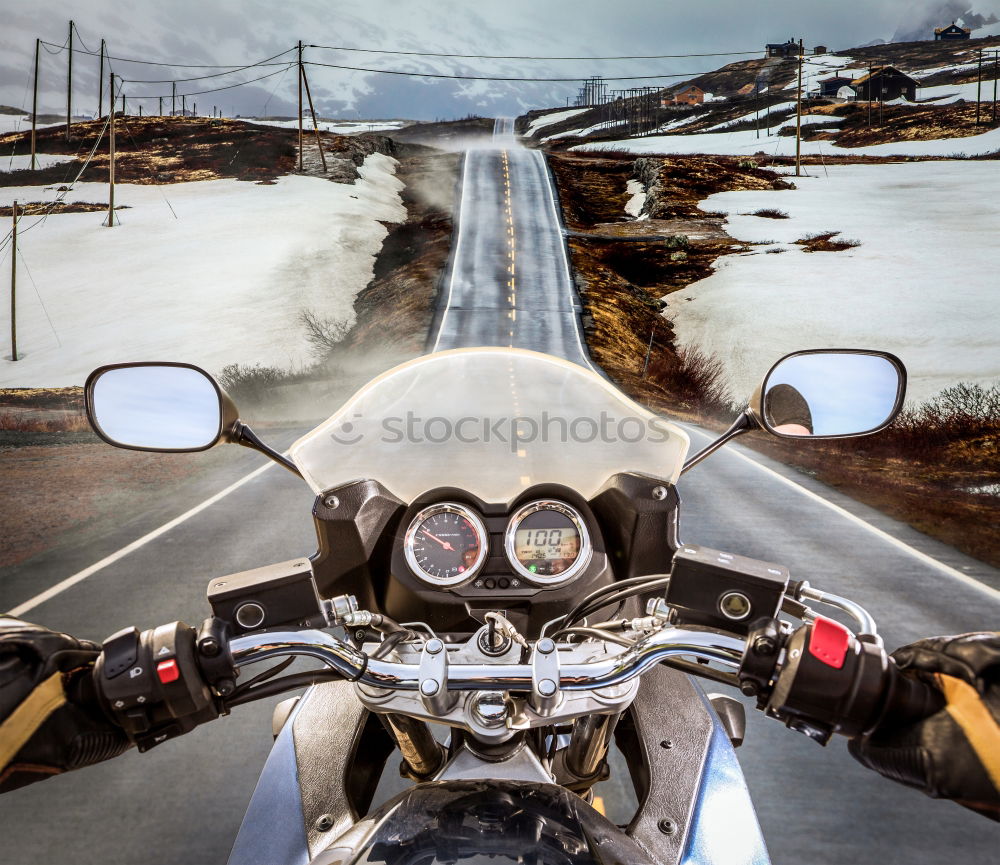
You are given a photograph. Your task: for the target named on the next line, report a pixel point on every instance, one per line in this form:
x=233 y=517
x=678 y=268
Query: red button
x=168 y=671
x=829 y=642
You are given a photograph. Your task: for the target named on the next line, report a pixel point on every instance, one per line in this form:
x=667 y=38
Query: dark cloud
x=194 y=31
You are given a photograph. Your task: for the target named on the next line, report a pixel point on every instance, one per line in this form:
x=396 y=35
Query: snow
x=42 y=160
x=817 y=67
x=774 y=109
x=747 y=143
x=224 y=282
x=921 y=285
x=809 y=119
x=340 y=127
x=549 y=119
x=945 y=94
x=19 y=123
x=635 y=189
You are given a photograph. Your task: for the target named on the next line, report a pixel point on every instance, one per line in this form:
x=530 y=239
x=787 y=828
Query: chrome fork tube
x=589 y=743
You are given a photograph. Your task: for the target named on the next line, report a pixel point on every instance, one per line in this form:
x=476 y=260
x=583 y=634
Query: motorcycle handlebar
x=603 y=672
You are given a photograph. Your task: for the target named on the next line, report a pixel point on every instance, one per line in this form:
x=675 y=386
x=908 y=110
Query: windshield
x=492 y=421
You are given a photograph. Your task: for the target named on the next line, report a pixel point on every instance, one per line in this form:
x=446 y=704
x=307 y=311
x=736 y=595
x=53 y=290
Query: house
x=885 y=83
x=821 y=49
x=953 y=31
x=782 y=49
x=829 y=86
x=691 y=94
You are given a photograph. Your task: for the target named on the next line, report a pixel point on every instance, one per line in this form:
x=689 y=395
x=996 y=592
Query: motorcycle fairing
x=329 y=754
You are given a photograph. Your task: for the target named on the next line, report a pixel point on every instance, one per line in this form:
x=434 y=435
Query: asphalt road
x=183 y=802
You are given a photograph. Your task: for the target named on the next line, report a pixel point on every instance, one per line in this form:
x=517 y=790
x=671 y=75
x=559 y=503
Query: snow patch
x=633 y=207
x=549 y=119
x=921 y=285
x=42 y=160
x=224 y=282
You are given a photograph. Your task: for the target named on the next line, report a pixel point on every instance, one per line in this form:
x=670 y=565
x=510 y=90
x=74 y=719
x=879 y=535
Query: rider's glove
x=954 y=753
x=50 y=717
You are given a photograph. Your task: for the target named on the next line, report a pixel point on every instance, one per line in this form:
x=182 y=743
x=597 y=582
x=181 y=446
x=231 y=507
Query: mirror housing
x=830 y=394
x=161 y=407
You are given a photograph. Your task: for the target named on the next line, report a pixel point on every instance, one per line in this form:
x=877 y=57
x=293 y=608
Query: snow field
x=922 y=285
x=42 y=160
x=549 y=119
x=224 y=282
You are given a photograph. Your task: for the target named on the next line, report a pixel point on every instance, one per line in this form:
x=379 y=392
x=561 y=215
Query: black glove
x=954 y=753
x=50 y=718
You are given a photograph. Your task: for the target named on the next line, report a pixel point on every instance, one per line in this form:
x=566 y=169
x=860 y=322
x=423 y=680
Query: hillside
x=757 y=98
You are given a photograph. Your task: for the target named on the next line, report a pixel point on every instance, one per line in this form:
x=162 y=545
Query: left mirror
x=157 y=407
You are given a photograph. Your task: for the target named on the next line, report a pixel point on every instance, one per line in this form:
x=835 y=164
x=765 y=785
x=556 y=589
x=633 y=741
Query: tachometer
x=547 y=542
x=446 y=544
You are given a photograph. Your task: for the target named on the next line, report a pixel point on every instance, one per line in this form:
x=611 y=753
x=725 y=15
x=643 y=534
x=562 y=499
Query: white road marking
x=954 y=573
x=69 y=582
x=458 y=247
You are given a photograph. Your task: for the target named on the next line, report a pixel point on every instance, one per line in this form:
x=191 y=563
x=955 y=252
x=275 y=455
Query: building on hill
x=690 y=94
x=952 y=31
x=782 y=49
x=821 y=49
x=829 y=86
x=885 y=83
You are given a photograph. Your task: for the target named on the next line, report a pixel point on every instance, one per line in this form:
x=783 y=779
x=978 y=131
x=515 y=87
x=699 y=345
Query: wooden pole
x=160 y=112
x=69 y=82
x=184 y=109
x=34 y=108
x=173 y=98
x=869 y=88
x=798 y=119
x=312 y=110
x=194 y=109
x=123 y=102
x=979 y=85
x=300 y=105
x=995 y=87
x=13 y=286
x=111 y=163
x=100 y=85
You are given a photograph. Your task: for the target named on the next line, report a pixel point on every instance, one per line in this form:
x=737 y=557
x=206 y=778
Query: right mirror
x=831 y=394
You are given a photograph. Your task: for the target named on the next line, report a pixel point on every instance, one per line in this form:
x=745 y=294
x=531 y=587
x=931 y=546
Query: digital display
x=547 y=543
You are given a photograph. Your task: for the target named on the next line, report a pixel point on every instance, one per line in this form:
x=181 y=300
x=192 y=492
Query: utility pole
x=300 y=105
x=995 y=54
x=979 y=85
x=34 y=107
x=100 y=85
x=869 y=88
x=123 y=102
x=111 y=163
x=184 y=109
x=798 y=119
x=194 y=109
x=13 y=287
x=69 y=82
x=173 y=98
x=312 y=110
x=160 y=113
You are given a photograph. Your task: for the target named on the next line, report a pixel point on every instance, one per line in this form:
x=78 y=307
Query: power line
x=264 y=62
x=528 y=57
x=156 y=62
x=499 y=77
x=284 y=68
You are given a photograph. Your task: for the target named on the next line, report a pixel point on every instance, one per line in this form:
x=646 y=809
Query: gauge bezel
x=446 y=508
x=586 y=547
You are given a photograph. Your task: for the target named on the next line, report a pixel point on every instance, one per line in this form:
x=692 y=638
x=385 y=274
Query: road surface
x=183 y=802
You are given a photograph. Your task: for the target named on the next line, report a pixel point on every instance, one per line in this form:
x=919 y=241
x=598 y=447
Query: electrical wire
x=285 y=68
x=264 y=62
x=157 y=62
x=528 y=56
x=501 y=77
x=41 y=302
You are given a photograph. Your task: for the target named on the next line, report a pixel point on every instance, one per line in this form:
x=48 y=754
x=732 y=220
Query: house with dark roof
x=782 y=49
x=952 y=31
x=885 y=83
x=828 y=87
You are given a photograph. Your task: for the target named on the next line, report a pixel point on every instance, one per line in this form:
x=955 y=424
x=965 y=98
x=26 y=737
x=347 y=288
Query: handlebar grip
x=908 y=699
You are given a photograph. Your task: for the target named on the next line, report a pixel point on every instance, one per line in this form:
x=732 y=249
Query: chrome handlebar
x=603 y=672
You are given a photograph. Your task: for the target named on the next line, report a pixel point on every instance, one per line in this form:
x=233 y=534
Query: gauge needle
x=444 y=544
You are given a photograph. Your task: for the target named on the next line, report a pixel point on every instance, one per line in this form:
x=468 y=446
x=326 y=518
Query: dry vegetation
x=924 y=469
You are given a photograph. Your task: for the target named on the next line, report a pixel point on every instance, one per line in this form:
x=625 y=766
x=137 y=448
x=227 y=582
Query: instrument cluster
x=542 y=542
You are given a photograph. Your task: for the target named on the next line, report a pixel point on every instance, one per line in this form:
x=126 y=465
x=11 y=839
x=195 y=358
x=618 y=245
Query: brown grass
x=824 y=242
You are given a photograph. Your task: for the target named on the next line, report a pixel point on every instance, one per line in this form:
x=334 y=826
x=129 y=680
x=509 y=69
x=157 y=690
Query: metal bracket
x=433 y=673
x=545 y=694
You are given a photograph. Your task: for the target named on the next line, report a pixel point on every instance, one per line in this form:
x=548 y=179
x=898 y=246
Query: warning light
x=533 y=568
x=461 y=569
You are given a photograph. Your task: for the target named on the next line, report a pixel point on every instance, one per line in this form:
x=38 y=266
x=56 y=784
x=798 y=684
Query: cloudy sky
x=234 y=32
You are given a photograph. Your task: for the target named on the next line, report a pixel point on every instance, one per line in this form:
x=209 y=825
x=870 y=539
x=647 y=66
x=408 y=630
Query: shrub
x=770 y=213
x=252 y=384
x=323 y=334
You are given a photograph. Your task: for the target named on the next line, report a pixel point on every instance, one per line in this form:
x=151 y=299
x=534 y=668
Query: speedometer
x=547 y=542
x=446 y=544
